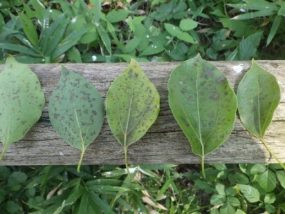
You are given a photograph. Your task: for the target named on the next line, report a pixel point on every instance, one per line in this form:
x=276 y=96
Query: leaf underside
x=22 y=101
x=203 y=104
x=76 y=110
x=132 y=105
x=258 y=96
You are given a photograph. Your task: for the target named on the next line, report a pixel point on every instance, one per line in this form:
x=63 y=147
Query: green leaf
x=29 y=29
x=258 y=96
x=257 y=169
x=281 y=11
x=274 y=29
x=203 y=104
x=105 y=38
x=176 y=32
x=76 y=111
x=269 y=198
x=132 y=106
x=187 y=24
x=22 y=102
x=249 y=192
x=267 y=180
x=252 y=15
x=19 y=48
x=281 y=178
x=248 y=46
x=117 y=15
x=68 y=43
x=152 y=49
x=51 y=36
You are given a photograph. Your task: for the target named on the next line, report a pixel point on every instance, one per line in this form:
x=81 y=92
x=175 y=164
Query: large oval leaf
x=22 y=102
x=258 y=96
x=132 y=105
x=203 y=104
x=76 y=111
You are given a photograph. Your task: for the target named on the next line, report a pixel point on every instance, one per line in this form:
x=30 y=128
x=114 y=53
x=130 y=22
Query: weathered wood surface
x=164 y=143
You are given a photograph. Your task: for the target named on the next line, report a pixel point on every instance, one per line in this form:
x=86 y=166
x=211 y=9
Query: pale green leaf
x=176 y=32
x=267 y=180
x=281 y=178
x=76 y=110
x=132 y=105
x=22 y=102
x=203 y=104
x=258 y=96
x=187 y=24
x=249 y=192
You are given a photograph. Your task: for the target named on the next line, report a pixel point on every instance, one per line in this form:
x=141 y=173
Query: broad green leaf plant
x=22 y=102
x=258 y=96
x=203 y=104
x=76 y=111
x=132 y=106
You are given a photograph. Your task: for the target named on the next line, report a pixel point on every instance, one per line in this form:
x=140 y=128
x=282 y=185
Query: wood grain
x=164 y=143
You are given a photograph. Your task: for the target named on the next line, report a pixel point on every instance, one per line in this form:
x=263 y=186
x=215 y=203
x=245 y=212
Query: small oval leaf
x=76 y=111
x=258 y=96
x=203 y=104
x=22 y=102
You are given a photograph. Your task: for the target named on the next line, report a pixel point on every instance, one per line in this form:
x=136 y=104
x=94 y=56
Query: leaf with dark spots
x=203 y=107
x=22 y=102
x=77 y=118
x=132 y=106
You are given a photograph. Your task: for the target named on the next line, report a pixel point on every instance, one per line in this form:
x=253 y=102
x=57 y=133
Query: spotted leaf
x=132 y=105
x=22 y=102
x=76 y=111
x=258 y=96
x=203 y=104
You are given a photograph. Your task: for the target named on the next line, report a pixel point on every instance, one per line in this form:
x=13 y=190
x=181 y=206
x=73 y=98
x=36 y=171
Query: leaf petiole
x=271 y=153
x=81 y=159
x=126 y=158
x=4 y=150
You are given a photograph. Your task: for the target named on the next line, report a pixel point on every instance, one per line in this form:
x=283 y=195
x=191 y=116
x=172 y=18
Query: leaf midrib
x=198 y=114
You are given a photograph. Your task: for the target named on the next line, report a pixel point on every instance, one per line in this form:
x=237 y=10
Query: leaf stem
x=203 y=166
x=81 y=159
x=126 y=158
x=4 y=150
x=271 y=153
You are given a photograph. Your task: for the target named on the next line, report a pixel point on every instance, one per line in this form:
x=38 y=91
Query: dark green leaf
x=29 y=29
x=274 y=28
x=76 y=111
x=117 y=15
x=203 y=104
x=248 y=46
x=19 y=48
x=105 y=38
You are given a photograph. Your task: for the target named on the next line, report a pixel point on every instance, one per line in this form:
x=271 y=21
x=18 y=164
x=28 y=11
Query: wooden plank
x=164 y=143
